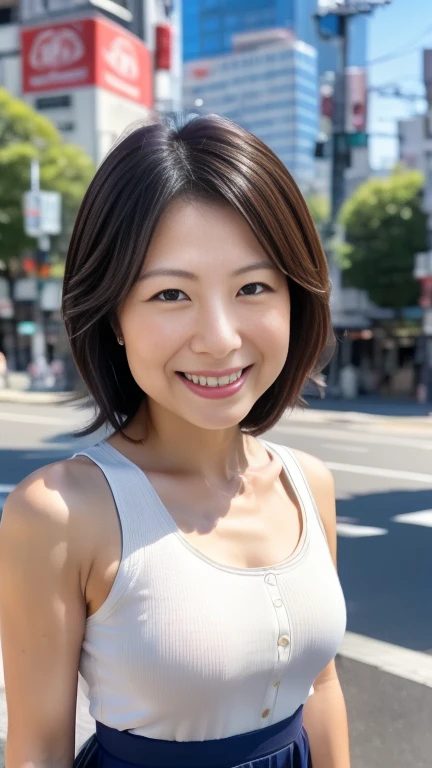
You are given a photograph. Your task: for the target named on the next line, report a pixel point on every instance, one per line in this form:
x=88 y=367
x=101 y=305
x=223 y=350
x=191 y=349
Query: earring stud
x=120 y=340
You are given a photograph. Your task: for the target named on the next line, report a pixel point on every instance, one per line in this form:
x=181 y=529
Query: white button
x=284 y=641
x=277 y=603
x=270 y=578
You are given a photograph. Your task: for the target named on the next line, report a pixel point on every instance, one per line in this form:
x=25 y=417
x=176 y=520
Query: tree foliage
x=64 y=168
x=384 y=228
x=319 y=209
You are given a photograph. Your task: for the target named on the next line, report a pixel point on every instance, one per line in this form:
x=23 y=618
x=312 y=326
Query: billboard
x=356 y=102
x=92 y=51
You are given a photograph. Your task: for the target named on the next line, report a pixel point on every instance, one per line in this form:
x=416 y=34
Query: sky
x=401 y=29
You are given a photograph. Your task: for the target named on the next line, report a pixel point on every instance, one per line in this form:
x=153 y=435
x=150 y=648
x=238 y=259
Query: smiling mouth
x=214 y=381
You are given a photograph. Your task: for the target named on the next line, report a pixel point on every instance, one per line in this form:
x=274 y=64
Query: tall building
x=269 y=85
x=209 y=26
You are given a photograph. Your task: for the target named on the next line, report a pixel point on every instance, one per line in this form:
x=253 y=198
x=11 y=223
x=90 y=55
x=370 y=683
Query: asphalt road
x=384 y=493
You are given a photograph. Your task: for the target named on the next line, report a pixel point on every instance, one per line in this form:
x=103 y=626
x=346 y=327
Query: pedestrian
x=183 y=564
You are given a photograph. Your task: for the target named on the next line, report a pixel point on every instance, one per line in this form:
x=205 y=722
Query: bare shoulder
x=317 y=474
x=53 y=499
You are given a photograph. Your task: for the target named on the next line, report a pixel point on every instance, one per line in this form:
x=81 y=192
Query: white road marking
x=345 y=448
x=423 y=517
x=25 y=418
x=350 y=531
x=393 y=659
x=6 y=488
x=398 y=474
x=350 y=435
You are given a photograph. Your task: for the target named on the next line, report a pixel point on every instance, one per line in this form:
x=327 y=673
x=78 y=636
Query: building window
x=211 y=43
x=210 y=23
x=66 y=126
x=233 y=21
x=54 y=102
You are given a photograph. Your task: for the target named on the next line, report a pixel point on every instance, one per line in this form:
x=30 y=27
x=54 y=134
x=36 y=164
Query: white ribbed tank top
x=187 y=649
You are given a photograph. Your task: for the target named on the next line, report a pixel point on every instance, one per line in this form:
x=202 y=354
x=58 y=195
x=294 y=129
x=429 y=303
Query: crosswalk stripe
x=424 y=517
x=393 y=659
x=350 y=531
x=398 y=474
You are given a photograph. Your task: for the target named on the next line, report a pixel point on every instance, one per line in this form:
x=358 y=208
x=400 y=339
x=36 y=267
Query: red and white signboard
x=356 y=103
x=94 y=52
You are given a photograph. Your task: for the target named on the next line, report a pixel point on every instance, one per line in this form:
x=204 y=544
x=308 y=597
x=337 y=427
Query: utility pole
x=423 y=261
x=340 y=156
x=333 y=18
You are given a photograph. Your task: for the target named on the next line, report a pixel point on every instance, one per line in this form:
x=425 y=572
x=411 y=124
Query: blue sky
x=405 y=25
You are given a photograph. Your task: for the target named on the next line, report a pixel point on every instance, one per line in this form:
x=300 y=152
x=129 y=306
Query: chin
x=216 y=422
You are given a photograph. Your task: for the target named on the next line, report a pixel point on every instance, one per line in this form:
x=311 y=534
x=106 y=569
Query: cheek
x=271 y=329
x=150 y=339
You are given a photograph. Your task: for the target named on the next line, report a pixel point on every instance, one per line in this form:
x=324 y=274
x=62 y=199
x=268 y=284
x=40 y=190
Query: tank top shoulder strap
x=298 y=479
x=132 y=496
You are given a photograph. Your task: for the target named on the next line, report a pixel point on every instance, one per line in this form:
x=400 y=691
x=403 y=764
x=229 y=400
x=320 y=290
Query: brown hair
x=208 y=157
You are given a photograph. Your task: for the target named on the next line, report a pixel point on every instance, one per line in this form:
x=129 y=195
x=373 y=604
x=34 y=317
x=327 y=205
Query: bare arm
x=325 y=714
x=42 y=618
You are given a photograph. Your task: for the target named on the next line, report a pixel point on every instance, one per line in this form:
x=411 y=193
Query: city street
x=384 y=491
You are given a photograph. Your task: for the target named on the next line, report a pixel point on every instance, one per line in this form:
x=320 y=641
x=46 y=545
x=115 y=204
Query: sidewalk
x=370 y=412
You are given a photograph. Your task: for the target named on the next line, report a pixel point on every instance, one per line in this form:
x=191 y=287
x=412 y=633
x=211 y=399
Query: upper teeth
x=213 y=381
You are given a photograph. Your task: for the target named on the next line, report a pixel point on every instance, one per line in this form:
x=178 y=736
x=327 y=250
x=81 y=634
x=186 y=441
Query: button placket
x=283 y=644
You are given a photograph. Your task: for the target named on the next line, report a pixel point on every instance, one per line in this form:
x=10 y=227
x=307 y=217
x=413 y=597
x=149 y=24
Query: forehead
x=203 y=232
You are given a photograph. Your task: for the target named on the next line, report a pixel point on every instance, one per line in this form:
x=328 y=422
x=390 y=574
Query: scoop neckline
x=167 y=519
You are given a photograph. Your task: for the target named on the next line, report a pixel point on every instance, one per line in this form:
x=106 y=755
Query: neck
x=181 y=447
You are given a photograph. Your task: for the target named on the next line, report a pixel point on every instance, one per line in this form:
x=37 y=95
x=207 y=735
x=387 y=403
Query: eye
x=253 y=289
x=171 y=295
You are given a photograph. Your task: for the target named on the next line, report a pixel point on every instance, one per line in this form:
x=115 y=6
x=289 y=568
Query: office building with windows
x=209 y=26
x=269 y=85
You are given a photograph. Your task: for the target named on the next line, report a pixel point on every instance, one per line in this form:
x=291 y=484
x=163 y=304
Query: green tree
x=64 y=168
x=384 y=228
x=319 y=208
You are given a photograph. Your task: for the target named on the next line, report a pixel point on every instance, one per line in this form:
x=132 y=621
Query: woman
x=184 y=566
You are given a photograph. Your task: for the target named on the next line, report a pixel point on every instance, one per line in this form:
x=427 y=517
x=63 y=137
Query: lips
x=214 y=391
x=214 y=380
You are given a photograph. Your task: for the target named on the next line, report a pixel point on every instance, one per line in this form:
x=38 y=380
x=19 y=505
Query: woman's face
x=206 y=327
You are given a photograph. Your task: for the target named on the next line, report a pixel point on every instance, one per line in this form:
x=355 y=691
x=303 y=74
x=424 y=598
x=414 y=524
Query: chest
x=248 y=527
x=199 y=627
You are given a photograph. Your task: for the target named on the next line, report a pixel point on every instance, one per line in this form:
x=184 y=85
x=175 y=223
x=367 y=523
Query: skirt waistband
x=214 y=753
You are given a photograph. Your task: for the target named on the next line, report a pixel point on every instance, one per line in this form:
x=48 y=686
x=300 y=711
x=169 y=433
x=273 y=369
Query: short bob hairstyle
x=206 y=158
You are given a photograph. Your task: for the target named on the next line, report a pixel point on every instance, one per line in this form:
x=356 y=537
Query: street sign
x=359 y=139
x=42 y=213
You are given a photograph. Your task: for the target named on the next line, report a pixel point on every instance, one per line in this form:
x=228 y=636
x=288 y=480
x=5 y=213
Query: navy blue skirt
x=282 y=745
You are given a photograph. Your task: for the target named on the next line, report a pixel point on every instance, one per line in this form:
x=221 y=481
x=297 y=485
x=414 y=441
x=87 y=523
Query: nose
x=216 y=332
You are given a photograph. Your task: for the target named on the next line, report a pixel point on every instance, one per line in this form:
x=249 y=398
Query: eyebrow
x=165 y=272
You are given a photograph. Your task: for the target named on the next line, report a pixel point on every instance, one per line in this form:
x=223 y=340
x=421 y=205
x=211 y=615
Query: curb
x=367 y=421
x=311 y=415
x=24 y=397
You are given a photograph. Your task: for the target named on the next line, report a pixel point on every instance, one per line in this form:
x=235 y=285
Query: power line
x=403 y=50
